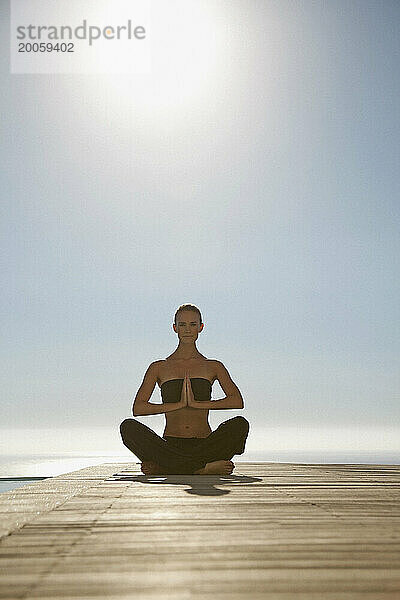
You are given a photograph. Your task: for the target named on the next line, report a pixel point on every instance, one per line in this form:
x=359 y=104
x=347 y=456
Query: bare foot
x=151 y=468
x=218 y=467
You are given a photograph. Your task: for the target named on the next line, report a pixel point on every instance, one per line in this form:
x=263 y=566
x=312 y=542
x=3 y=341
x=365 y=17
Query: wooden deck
x=268 y=531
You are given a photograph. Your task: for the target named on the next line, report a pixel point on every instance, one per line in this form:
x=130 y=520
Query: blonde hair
x=188 y=307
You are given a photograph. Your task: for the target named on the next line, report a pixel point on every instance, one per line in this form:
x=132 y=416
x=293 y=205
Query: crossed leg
x=227 y=440
x=211 y=455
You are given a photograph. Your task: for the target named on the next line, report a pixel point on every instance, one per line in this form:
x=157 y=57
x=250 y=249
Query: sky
x=253 y=173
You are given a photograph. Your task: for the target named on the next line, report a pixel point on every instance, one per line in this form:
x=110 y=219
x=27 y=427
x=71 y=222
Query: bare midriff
x=187 y=422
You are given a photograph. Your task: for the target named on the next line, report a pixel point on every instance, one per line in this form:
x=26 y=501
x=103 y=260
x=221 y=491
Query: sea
x=17 y=470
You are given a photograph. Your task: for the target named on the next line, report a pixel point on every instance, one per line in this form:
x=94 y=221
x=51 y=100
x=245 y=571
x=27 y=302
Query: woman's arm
x=142 y=406
x=233 y=398
x=157 y=409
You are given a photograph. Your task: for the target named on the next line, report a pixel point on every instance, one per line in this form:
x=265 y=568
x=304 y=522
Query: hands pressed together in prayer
x=187 y=396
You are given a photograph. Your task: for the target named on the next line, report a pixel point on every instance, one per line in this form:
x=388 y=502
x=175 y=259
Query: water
x=49 y=465
x=7 y=485
x=17 y=470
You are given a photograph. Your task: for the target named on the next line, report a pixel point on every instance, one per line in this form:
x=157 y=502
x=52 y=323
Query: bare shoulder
x=217 y=366
x=156 y=366
x=225 y=380
x=221 y=372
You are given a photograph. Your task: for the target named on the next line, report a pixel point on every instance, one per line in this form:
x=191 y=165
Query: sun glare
x=188 y=55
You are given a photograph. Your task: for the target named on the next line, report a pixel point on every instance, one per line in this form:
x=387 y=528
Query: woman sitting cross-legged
x=185 y=378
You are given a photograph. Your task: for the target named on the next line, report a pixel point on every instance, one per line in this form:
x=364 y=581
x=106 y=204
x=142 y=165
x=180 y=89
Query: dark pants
x=183 y=456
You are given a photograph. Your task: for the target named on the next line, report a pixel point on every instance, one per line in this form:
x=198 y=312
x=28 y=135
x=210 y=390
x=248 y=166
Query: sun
x=188 y=53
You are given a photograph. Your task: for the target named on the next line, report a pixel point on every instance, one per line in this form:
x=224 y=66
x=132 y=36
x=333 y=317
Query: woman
x=188 y=445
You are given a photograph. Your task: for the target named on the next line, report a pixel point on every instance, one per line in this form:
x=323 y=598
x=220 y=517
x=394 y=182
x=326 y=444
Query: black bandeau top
x=171 y=390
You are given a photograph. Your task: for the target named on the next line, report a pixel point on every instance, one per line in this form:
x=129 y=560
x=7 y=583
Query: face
x=188 y=326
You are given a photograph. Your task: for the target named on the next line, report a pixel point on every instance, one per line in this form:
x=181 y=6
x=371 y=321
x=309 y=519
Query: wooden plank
x=269 y=530
x=24 y=504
